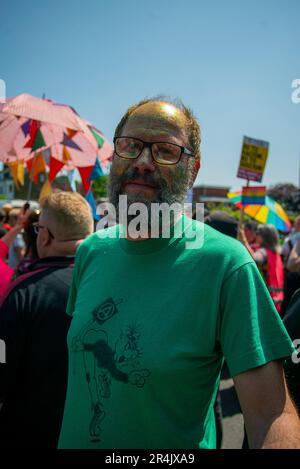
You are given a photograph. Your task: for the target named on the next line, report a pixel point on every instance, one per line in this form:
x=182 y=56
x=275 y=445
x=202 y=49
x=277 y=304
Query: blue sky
x=232 y=62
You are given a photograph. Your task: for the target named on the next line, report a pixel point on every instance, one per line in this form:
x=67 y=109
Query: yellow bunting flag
x=38 y=165
x=45 y=190
x=66 y=155
x=17 y=172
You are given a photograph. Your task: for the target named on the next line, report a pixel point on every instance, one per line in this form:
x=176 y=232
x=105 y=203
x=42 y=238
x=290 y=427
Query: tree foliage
x=287 y=195
x=99 y=187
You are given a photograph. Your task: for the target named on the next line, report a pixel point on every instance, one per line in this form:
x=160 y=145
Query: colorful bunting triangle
x=45 y=190
x=38 y=165
x=85 y=174
x=34 y=125
x=26 y=127
x=90 y=199
x=29 y=164
x=55 y=166
x=71 y=133
x=39 y=141
x=66 y=155
x=69 y=143
x=17 y=172
x=98 y=137
x=32 y=134
x=20 y=173
x=97 y=171
x=13 y=175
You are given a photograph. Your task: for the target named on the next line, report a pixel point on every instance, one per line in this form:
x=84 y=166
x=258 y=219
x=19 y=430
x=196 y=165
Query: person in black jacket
x=34 y=326
x=292 y=366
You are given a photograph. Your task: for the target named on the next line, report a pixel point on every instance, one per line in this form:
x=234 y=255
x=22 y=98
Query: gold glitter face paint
x=118 y=166
x=157 y=120
x=153 y=122
x=162 y=112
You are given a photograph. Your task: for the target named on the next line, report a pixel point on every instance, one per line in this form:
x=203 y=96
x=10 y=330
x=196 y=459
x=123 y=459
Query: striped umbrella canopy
x=269 y=213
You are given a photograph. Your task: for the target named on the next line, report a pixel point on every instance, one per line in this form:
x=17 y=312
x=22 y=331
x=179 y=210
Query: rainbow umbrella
x=269 y=213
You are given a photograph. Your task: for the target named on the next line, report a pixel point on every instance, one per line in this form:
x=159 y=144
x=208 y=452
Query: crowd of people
x=278 y=263
x=115 y=342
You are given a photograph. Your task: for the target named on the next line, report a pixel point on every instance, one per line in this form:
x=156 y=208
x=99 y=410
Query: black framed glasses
x=37 y=227
x=163 y=153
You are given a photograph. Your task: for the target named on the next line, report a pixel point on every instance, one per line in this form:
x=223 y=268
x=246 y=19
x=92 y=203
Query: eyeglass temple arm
x=188 y=152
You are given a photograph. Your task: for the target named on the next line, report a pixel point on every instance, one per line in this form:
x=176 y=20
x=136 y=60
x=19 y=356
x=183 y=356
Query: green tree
x=99 y=187
x=286 y=194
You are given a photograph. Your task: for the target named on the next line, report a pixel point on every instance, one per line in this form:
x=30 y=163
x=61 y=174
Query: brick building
x=210 y=194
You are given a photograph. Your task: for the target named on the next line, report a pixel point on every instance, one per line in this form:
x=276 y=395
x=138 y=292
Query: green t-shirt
x=152 y=323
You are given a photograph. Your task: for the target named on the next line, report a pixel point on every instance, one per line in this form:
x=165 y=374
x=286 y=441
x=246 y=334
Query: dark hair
x=193 y=128
x=223 y=222
x=269 y=236
x=2 y=215
x=29 y=234
x=251 y=225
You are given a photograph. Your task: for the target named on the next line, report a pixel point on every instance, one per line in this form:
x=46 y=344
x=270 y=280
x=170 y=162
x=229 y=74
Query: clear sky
x=231 y=61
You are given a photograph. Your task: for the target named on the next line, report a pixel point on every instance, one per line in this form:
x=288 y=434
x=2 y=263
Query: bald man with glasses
x=154 y=317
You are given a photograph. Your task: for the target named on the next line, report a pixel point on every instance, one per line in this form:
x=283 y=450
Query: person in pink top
x=6 y=241
x=269 y=261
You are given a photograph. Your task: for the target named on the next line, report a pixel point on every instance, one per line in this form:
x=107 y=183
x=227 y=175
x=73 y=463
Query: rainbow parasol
x=269 y=213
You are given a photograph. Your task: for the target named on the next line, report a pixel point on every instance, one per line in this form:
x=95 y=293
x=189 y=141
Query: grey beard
x=175 y=193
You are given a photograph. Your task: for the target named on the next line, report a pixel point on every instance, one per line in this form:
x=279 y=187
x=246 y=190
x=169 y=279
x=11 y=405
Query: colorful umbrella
x=31 y=126
x=269 y=213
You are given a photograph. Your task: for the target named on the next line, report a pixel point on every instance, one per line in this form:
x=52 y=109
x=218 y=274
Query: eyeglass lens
x=165 y=153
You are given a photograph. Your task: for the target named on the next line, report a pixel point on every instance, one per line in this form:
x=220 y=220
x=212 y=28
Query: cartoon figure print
x=104 y=363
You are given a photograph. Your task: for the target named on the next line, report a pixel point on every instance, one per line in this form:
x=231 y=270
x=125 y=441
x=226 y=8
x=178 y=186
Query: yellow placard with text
x=253 y=159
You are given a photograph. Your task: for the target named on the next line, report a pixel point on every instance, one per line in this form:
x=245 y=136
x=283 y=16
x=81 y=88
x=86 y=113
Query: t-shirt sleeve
x=72 y=295
x=74 y=285
x=251 y=330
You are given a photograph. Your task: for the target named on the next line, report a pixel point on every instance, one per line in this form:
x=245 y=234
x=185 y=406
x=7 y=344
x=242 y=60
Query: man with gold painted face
x=154 y=317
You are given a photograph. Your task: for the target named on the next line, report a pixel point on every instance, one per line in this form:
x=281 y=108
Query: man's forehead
x=158 y=116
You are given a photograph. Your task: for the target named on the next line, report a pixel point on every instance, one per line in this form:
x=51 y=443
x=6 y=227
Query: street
x=233 y=423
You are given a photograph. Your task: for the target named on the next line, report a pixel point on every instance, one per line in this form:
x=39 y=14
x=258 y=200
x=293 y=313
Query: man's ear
x=46 y=238
x=194 y=169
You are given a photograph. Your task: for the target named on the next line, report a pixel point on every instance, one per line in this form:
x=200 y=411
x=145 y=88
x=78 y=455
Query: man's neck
x=63 y=248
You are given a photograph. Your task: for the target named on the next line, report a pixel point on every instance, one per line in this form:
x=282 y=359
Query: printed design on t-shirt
x=104 y=363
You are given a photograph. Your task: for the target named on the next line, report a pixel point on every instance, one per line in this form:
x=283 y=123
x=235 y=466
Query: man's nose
x=144 y=163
